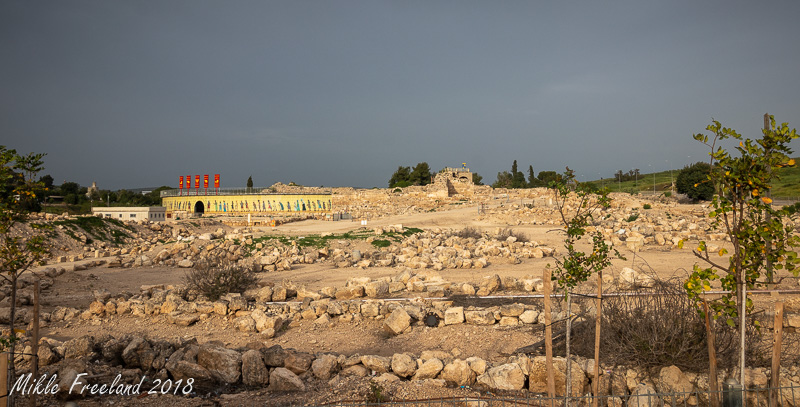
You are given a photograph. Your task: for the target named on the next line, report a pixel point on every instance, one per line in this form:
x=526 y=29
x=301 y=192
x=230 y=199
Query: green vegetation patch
x=398 y=237
x=107 y=230
x=381 y=243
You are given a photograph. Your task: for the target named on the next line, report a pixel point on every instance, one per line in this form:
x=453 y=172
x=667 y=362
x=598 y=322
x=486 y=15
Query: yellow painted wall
x=255 y=204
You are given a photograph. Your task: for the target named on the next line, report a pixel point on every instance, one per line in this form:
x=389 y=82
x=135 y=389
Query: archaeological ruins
x=424 y=292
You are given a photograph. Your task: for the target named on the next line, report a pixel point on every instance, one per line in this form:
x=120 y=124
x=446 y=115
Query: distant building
x=91 y=189
x=454 y=181
x=151 y=213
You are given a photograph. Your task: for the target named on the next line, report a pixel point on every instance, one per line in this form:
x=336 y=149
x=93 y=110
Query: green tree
x=477 y=179
x=693 y=181
x=762 y=239
x=72 y=199
x=546 y=177
x=420 y=174
x=249 y=182
x=531 y=177
x=47 y=181
x=18 y=253
x=517 y=177
x=400 y=178
x=154 y=197
x=69 y=188
x=504 y=180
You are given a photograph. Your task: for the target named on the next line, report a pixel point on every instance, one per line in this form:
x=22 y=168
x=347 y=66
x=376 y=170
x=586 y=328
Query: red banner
x=205 y=181
x=216 y=180
x=197 y=182
x=180 y=183
x=188 y=181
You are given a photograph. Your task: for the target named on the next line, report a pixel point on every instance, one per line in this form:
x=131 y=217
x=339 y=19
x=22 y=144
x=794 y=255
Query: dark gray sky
x=340 y=93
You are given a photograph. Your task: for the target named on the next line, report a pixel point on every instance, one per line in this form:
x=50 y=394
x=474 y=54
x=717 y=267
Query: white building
x=151 y=213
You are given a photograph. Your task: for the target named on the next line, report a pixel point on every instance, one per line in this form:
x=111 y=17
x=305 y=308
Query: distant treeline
x=516 y=179
x=631 y=175
x=419 y=175
x=80 y=200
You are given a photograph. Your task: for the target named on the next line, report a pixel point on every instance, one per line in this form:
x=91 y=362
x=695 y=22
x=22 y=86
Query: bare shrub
x=216 y=280
x=469 y=232
x=663 y=329
x=508 y=232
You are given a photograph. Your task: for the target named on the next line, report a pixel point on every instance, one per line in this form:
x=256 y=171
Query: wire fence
x=239 y=191
x=786 y=396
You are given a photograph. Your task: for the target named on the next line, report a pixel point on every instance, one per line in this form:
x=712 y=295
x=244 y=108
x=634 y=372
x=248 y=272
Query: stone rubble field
x=341 y=307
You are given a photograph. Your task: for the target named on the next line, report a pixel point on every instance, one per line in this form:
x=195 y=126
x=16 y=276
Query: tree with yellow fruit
x=762 y=239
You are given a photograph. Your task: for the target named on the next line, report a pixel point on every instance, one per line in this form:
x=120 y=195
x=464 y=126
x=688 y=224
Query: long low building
x=151 y=213
x=239 y=202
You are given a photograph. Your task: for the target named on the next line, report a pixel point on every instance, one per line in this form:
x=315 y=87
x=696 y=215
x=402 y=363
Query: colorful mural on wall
x=248 y=204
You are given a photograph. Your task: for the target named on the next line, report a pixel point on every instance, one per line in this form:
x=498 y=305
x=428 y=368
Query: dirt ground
x=74 y=289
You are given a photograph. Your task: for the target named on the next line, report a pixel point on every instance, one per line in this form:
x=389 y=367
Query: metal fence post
x=732 y=393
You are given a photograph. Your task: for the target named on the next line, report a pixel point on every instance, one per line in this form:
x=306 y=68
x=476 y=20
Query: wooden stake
x=35 y=339
x=712 y=361
x=548 y=336
x=597 y=325
x=4 y=379
x=777 y=339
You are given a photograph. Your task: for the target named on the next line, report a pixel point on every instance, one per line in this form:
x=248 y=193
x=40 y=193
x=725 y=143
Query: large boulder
x=672 y=380
x=504 y=377
x=348 y=293
x=274 y=356
x=264 y=321
x=378 y=364
x=46 y=355
x=477 y=365
x=298 y=362
x=397 y=322
x=490 y=284
x=429 y=369
x=376 y=289
x=254 y=371
x=282 y=379
x=370 y=309
x=69 y=374
x=184 y=370
x=79 y=347
x=512 y=310
x=458 y=373
x=355 y=370
x=403 y=365
x=245 y=324
x=537 y=380
x=630 y=279
x=479 y=317
x=138 y=353
x=303 y=293
x=454 y=315
x=224 y=364
x=324 y=366
x=263 y=294
x=644 y=395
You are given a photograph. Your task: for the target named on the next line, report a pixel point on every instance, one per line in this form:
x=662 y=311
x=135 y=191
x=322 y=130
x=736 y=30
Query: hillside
x=787 y=186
